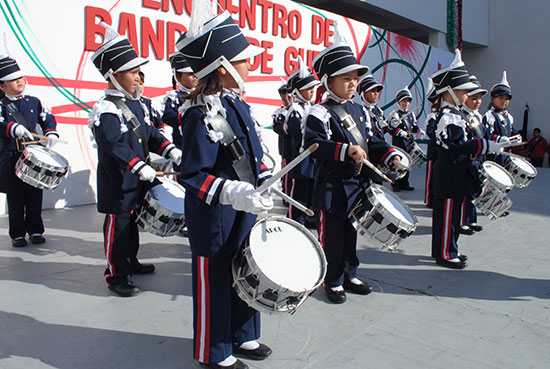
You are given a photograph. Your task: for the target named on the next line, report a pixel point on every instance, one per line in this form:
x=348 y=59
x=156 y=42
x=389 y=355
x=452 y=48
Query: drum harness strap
x=349 y=124
x=19 y=119
x=232 y=148
x=133 y=121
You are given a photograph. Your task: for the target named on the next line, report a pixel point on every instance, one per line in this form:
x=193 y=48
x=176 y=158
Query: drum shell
x=262 y=293
x=159 y=163
x=371 y=219
x=521 y=177
x=418 y=156
x=34 y=172
x=493 y=201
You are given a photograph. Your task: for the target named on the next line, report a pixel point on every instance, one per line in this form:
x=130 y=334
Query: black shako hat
x=502 y=88
x=179 y=63
x=368 y=83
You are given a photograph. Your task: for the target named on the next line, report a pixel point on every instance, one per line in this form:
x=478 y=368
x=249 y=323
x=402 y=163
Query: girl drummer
x=220 y=202
x=19 y=116
x=454 y=175
x=340 y=178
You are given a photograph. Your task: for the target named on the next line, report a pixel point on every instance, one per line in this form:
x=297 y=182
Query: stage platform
x=56 y=311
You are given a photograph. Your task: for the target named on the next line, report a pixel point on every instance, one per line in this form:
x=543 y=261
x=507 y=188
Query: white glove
x=517 y=139
x=21 y=131
x=494 y=147
x=402 y=134
x=147 y=173
x=242 y=196
x=175 y=156
x=504 y=140
x=422 y=133
x=51 y=143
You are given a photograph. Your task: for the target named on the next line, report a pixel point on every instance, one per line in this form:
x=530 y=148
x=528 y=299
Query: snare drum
x=159 y=163
x=496 y=183
x=382 y=216
x=162 y=212
x=418 y=156
x=522 y=171
x=400 y=172
x=279 y=267
x=41 y=167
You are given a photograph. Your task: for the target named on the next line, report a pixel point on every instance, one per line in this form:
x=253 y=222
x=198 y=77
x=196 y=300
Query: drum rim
x=522 y=159
x=497 y=165
x=29 y=149
x=401 y=202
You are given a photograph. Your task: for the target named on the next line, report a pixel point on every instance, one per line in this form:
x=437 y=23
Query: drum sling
x=232 y=148
x=349 y=124
x=19 y=119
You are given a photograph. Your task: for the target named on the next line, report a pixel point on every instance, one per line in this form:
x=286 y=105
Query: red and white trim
x=208 y=188
x=10 y=129
x=51 y=132
x=340 y=151
x=428 y=182
x=202 y=329
x=463 y=212
x=109 y=239
x=389 y=155
x=165 y=148
x=135 y=165
x=447 y=226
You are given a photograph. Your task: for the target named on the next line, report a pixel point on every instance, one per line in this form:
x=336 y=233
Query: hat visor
x=478 y=91
x=466 y=86
x=185 y=70
x=132 y=64
x=500 y=93
x=12 y=76
x=361 y=70
x=249 y=52
x=310 y=85
x=403 y=98
x=377 y=85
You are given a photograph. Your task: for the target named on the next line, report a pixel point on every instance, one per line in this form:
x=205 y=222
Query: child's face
x=501 y=102
x=188 y=80
x=14 y=87
x=308 y=93
x=474 y=102
x=405 y=103
x=372 y=96
x=344 y=85
x=129 y=80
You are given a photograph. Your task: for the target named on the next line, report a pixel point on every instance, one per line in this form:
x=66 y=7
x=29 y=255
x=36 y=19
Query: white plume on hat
x=303 y=71
x=202 y=11
x=110 y=32
x=7 y=46
x=430 y=87
x=504 y=80
x=338 y=37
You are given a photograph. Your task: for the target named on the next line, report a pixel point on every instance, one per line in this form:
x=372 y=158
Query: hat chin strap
x=453 y=96
x=121 y=89
x=299 y=96
x=324 y=81
x=233 y=72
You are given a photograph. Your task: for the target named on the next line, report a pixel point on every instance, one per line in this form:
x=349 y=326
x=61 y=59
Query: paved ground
x=56 y=312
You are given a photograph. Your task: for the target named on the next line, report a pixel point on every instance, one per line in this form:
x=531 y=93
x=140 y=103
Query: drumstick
x=32 y=142
x=160 y=173
x=268 y=182
x=293 y=202
x=401 y=165
x=376 y=170
x=48 y=138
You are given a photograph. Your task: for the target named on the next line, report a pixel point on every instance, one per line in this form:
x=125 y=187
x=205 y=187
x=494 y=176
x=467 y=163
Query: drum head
x=170 y=195
x=154 y=158
x=286 y=254
x=524 y=165
x=394 y=205
x=498 y=173
x=47 y=156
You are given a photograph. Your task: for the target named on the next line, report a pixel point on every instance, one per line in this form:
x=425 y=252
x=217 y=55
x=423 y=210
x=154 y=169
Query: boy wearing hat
x=279 y=118
x=403 y=124
x=222 y=164
x=345 y=136
x=369 y=90
x=431 y=96
x=454 y=174
x=124 y=137
x=302 y=87
x=20 y=116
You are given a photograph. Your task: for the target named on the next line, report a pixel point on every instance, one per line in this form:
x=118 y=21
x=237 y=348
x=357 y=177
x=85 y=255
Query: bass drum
x=279 y=267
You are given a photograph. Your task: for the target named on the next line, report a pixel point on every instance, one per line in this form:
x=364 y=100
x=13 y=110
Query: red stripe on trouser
x=428 y=181
x=322 y=230
x=291 y=195
x=202 y=334
x=109 y=238
x=463 y=212
x=447 y=223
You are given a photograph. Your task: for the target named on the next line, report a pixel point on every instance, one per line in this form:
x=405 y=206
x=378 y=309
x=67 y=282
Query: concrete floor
x=56 y=312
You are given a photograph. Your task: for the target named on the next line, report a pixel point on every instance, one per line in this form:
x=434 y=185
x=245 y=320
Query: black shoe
x=505 y=214
x=466 y=230
x=338 y=297
x=236 y=365
x=476 y=227
x=37 y=239
x=138 y=268
x=463 y=257
x=184 y=232
x=260 y=353
x=451 y=264
x=126 y=289
x=408 y=188
x=20 y=242
x=360 y=289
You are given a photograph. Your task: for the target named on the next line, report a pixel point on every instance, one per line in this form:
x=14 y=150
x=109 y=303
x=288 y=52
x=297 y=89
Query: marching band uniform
x=24 y=201
x=152 y=115
x=474 y=129
x=302 y=175
x=402 y=123
x=279 y=126
x=122 y=170
x=454 y=174
x=337 y=182
x=430 y=132
x=376 y=114
x=220 y=202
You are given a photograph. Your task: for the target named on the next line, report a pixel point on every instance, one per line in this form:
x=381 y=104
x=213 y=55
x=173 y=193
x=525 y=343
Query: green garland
x=454 y=24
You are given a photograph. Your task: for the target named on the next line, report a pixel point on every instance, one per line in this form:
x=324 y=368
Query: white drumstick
x=376 y=170
x=293 y=202
x=268 y=182
x=49 y=138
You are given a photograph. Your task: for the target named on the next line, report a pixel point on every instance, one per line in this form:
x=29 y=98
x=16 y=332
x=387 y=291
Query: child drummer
x=124 y=138
x=19 y=116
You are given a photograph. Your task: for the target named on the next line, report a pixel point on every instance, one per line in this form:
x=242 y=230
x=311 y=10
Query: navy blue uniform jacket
x=499 y=123
x=400 y=120
x=296 y=123
x=280 y=127
x=31 y=108
x=337 y=182
x=204 y=170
